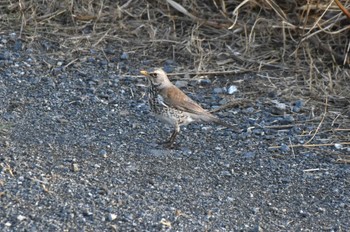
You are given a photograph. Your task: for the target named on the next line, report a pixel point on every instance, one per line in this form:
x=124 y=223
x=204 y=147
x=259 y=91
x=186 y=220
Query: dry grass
x=300 y=48
x=310 y=38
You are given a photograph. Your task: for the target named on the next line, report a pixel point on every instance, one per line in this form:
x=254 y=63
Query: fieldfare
x=173 y=106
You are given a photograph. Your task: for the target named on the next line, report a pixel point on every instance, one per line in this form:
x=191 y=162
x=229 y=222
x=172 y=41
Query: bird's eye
x=153 y=75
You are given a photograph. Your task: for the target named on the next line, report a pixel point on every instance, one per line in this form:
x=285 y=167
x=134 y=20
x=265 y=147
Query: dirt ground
x=79 y=147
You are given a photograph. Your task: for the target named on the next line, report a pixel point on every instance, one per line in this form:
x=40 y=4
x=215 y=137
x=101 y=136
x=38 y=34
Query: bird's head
x=157 y=77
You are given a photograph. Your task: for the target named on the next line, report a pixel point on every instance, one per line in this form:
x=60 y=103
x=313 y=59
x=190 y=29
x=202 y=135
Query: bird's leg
x=171 y=140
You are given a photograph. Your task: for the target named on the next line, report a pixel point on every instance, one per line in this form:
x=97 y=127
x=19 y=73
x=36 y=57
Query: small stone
x=103 y=62
x=204 y=82
x=75 y=167
x=249 y=155
x=259 y=132
x=218 y=90
x=114 y=59
x=278 y=108
x=338 y=146
x=146 y=62
x=181 y=84
x=8 y=224
x=124 y=56
x=272 y=94
x=223 y=101
x=297 y=106
x=287 y=119
x=103 y=153
x=109 y=51
x=168 y=68
x=91 y=60
x=170 y=62
x=21 y=217
x=87 y=213
x=232 y=89
x=56 y=71
x=18 y=45
x=13 y=35
x=284 y=148
x=5 y=56
x=33 y=80
x=250 y=110
x=112 y=217
x=225 y=173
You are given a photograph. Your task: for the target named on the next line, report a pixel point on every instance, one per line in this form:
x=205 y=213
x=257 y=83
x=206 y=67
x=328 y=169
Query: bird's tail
x=218 y=121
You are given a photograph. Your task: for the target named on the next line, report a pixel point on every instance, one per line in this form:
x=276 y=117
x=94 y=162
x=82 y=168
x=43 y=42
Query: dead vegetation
x=298 y=48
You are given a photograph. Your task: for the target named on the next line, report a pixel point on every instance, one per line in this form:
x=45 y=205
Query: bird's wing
x=174 y=97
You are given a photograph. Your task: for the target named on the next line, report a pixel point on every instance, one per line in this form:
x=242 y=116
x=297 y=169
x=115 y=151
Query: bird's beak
x=145 y=73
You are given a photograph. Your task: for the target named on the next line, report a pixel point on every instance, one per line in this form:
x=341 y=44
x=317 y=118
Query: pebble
x=124 y=56
x=87 y=213
x=112 y=217
x=287 y=119
x=338 y=146
x=29 y=51
x=21 y=217
x=258 y=132
x=249 y=155
x=279 y=107
x=103 y=62
x=34 y=80
x=91 y=59
x=181 y=84
x=225 y=173
x=297 y=106
x=13 y=35
x=223 y=101
x=5 y=56
x=170 y=62
x=75 y=167
x=232 y=89
x=114 y=59
x=218 y=90
x=204 y=82
x=103 y=153
x=18 y=45
x=109 y=51
x=284 y=148
x=249 y=110
x=272 y=94
x=168 y=68
x=56 y=71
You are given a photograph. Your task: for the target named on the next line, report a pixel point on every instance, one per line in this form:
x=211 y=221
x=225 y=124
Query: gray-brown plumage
x=173 y=106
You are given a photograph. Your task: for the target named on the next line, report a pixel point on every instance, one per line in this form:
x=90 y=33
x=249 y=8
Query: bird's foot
x=169 y=145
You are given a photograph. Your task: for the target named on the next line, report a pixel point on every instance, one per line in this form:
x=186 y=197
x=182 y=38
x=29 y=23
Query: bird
x=173 y=106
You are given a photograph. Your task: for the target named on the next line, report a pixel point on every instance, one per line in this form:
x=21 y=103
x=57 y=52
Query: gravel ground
x=78 y=151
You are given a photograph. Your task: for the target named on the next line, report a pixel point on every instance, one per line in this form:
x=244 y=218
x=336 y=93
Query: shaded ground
x=79 y=152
